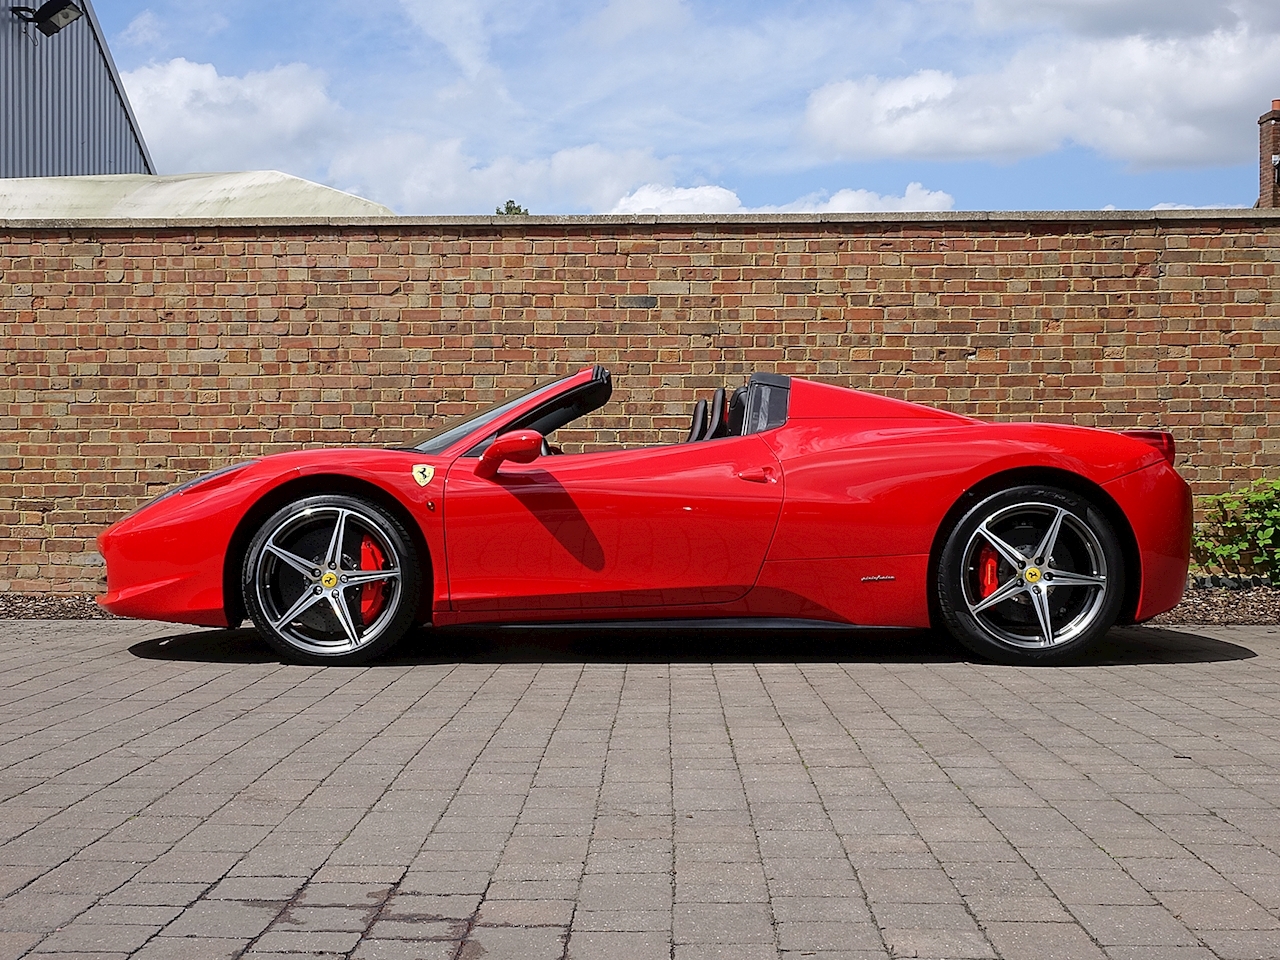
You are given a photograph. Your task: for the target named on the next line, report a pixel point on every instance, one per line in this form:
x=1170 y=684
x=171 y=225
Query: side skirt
x=707 y=623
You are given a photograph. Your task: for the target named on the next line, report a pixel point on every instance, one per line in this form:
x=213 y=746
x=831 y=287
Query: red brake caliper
x=372 y=595
x=988 y=571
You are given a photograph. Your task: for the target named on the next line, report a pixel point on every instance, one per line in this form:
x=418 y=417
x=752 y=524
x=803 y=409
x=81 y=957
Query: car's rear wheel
x=331 y=579
x=1032 y=574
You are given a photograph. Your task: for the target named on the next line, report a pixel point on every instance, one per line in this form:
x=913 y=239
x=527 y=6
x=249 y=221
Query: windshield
x=450 y=433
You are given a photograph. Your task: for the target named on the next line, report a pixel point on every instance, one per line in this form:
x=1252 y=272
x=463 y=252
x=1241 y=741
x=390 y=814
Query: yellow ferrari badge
x=423 y=473
x=1032 y=575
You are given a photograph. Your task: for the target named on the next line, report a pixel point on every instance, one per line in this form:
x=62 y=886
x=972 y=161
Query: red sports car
x=789 y=500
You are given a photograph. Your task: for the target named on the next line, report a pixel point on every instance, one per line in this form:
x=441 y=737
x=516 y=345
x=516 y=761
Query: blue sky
x=452 y=106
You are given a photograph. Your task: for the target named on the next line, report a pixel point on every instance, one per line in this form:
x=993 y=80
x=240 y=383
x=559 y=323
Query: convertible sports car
x=789 y=500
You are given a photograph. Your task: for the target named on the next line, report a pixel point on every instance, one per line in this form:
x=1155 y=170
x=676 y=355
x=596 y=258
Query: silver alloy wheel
x=308 y=572
x=1052 y=576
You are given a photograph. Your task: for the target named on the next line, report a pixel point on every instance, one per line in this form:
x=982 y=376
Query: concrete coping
x=675 y=220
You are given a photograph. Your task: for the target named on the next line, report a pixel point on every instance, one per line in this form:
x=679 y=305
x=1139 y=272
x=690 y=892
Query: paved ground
x=174 y=793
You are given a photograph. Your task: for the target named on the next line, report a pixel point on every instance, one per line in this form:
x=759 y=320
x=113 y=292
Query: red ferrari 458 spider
x=789 y=499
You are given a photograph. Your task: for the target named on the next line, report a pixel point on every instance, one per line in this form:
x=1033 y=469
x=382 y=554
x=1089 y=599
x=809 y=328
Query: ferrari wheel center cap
x=1032 y=575
x=329 y=580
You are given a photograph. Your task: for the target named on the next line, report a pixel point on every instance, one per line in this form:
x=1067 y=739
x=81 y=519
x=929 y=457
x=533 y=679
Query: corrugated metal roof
x=63 y=110
x=255 y=194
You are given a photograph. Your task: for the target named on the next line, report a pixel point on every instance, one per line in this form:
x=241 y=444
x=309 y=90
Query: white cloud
x=467 y=28
x=195 y=119
x=411 y=174
x=458 y=25
x=143 y=31
x=654 y=198
x=1195 y=206
x=915 y=197
x=154 y=33
x=1152 y=102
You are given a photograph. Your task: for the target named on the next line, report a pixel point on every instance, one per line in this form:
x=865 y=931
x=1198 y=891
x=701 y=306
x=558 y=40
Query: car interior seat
x=737 y=411
x=718 y=420
x=698 y=428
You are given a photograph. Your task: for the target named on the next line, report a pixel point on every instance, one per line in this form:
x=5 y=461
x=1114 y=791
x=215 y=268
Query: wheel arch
x=306 y=486
x=1050 y=476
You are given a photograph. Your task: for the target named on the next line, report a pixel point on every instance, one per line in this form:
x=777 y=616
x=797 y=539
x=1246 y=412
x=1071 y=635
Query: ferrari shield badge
x=423 y=473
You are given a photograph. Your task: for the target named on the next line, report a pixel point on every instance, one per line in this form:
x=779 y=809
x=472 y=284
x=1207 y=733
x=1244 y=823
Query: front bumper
x=165 y=563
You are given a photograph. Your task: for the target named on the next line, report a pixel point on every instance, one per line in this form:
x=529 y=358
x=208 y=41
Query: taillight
x=1156 y=438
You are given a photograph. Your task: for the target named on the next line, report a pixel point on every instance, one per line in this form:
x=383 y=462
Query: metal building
x=63 y=110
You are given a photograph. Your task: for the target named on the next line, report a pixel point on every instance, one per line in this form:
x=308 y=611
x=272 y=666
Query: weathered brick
x=137 y=358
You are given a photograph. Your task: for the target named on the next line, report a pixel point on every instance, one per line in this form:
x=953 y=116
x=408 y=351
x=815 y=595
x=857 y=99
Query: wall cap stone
x=722 y=219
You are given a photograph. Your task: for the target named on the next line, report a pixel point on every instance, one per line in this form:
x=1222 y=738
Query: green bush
x=1241 y=531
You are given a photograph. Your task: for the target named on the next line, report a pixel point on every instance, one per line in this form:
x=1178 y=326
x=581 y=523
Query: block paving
x=168 y=792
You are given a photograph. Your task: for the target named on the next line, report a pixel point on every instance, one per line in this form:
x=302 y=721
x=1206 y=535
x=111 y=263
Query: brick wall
x=138 y=355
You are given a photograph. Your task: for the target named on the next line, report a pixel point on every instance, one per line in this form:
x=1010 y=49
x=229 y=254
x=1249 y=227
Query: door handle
x=758 y=475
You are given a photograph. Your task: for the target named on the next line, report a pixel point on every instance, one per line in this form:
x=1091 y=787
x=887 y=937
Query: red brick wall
x=137 y=356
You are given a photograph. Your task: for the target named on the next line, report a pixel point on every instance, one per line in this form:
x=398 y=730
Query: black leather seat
x=719 y=420
x=737 y=411
x=698 y=428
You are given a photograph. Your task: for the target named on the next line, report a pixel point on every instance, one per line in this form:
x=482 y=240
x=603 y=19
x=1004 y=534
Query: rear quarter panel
x=864 y=488
x=865 y=497
x=1157 y=502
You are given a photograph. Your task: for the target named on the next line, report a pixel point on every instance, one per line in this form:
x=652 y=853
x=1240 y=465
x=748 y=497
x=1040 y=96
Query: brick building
x=140 y=353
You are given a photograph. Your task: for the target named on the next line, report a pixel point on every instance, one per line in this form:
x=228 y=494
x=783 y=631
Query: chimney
x=1269 y=158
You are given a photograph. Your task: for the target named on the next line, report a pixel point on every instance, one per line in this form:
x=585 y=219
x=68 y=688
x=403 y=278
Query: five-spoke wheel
x=1029 y=574
x=331 y=579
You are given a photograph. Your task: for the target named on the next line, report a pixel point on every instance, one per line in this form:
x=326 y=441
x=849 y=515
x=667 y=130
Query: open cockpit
x=758 y=405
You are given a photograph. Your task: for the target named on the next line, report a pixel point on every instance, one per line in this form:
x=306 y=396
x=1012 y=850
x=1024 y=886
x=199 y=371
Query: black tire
x=298 y=575
x=998 y=608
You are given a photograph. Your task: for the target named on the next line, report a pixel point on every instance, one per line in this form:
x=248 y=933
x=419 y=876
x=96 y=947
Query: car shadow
x=662 y=644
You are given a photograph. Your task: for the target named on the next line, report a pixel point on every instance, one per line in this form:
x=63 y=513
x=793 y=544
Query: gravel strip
x=51 y=606
x=1256 y=606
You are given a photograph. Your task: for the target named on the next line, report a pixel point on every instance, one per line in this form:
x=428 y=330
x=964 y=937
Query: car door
x=617 y=530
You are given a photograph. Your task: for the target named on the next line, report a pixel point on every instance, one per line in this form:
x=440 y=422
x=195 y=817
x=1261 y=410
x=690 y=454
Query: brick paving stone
x=417 y=928
x=191 y=948
x=285 y=940
x=202 y=807
x=508 y=943
x=619 y=946
x=1242 y=944
x=374 y=949
x=1025 y=940
x=86 y=937
x=222 y=918
x=1142 y=926
x=723 y=923
x=135 y=893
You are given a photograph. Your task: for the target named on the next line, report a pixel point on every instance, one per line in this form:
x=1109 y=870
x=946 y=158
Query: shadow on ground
x=658 y=644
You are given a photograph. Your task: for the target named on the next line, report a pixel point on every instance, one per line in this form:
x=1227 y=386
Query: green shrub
x=1241 y=531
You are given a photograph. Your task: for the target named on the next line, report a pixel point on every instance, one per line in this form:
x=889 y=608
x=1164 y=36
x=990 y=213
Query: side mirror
x=522 y=446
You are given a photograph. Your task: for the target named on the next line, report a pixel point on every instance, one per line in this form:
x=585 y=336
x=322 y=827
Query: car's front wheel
x=331 y=579
x=1031 y=574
